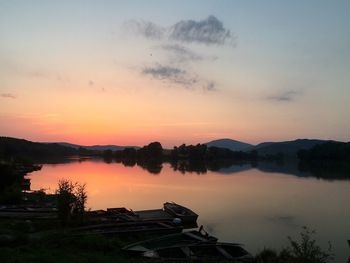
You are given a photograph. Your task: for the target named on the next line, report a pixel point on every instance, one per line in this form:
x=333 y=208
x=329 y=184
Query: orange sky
x=99 y=77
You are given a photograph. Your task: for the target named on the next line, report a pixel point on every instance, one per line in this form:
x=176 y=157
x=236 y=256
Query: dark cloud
x=8 y=96
x=171 y=74
x=163 y=72
x=178 y=76
x=207 y=31
x=285 y=96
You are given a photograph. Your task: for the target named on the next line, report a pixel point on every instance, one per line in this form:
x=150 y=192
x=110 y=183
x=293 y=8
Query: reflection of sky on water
x=259 y=209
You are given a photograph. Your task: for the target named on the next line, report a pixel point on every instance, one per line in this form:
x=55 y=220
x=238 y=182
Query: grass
x=23 y=241
x=60 y=247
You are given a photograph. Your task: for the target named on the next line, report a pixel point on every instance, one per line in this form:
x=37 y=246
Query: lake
x=257 y=206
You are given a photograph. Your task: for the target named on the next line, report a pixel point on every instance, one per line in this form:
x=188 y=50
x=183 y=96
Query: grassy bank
x=26 y=241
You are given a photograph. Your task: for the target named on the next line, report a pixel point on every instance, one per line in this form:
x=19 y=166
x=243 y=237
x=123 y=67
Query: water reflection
x=256 y=204
x=321 y=170
x=325 y=170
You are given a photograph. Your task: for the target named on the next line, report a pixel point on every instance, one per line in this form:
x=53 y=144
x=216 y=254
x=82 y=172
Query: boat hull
x=186 y=215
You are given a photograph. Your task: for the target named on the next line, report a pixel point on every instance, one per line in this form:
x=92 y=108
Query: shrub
x=72 y=199
x=303 y=251
x=307 y=251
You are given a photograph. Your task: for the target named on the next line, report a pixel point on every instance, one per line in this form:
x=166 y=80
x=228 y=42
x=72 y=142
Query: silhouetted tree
x=71 y=201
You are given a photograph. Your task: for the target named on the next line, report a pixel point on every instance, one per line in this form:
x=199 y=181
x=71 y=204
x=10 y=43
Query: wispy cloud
x=181 y=53
x=285 y=96
x=145 y=28
x=8 y=96
x=175 y=43
x=178 y=76
x=208 y=31
x=170 y=74
x=209 y=86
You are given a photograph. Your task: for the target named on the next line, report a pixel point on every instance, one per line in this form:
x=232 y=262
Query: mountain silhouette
x=233 y=145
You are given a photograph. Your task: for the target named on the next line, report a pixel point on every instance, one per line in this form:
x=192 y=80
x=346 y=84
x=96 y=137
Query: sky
x=132 y=72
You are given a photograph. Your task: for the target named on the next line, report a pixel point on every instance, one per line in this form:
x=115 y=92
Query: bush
x=303 y=251
x=307 y=251
x=72 y=199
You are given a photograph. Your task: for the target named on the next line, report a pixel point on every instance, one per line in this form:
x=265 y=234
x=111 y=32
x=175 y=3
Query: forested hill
x=329 y=151
x=287 y=148
x=20 y=148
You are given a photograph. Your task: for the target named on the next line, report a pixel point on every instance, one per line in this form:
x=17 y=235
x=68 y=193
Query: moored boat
x=179 y=239
x=185 y=214
x=169 y=212
x=130 y=228
x=207 y=252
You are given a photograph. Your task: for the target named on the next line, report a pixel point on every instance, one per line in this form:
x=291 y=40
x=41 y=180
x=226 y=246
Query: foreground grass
x=61 y=248
x=28 y=242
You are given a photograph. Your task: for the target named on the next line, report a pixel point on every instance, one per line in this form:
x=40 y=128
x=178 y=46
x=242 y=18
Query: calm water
x=259 y=207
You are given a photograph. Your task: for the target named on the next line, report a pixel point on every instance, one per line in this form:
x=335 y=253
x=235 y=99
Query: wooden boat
x=169 y=212
x=26 y=212
x=179 y=239
x=122 y=214
x=179 y=211
x=128 y=229
x=203 y=252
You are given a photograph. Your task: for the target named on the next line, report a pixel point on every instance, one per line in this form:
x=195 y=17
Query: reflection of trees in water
x=203 y=166
x=184 y=166
x=153 y=166
x=324 y=170
x=129 y=162
x=329 y=170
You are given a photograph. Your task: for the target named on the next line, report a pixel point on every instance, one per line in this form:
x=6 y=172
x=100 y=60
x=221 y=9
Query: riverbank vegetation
x=330 y=160
x=302 y=250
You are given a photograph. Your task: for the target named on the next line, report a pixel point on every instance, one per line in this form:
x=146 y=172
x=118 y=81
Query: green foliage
x=63 y=248
x=304 y=250
x=80 y=199
x=152 y=151
x=330 y=151
x=23 y=149
x=307 y=251
x=268 y=256
x=72 y=198
x=330 y=160
x=10 y=183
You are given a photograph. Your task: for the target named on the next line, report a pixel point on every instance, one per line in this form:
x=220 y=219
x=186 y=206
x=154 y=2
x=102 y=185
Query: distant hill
x=288 y=148
x=19 y=147
x=97 y=147
x=13 y=147
x=230 y=144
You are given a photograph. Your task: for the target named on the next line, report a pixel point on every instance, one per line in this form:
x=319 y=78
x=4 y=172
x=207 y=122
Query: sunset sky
x=132 y=72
